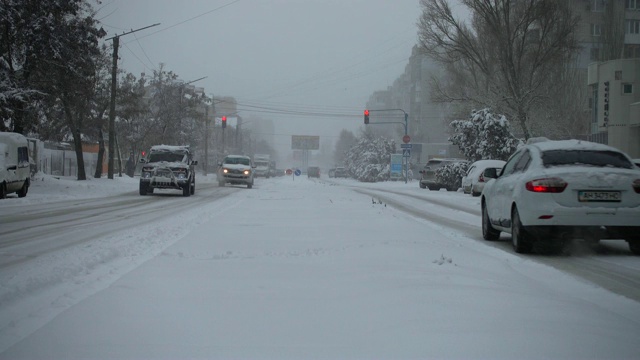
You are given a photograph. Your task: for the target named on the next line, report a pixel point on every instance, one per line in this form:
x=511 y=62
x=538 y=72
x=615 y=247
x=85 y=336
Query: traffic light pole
x=405 y=160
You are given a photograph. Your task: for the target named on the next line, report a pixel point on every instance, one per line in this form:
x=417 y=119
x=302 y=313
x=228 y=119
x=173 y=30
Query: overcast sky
x=312 y=56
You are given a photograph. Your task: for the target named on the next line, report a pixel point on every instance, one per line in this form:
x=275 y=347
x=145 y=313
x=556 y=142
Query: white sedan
x=550 y=192
x=473 y=182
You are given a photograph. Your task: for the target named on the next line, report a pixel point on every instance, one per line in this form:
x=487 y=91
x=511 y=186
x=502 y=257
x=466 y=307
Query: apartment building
x=609 y=35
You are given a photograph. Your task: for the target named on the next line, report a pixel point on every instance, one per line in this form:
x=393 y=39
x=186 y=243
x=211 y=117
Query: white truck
x=14 y=164
x=262 y=163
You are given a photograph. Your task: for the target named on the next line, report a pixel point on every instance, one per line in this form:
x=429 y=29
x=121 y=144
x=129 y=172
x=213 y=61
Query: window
x=597 y=5
x=632 y=4
x=632 y=26
x=596 y=30
x=627 y=89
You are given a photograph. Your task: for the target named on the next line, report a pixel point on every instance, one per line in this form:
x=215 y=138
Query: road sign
x=298 y=172
x=406 y=139
x=406 y=152
x=405 y=146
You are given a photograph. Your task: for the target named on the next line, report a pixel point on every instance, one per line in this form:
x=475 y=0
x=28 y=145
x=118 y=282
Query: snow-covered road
x=298 y=268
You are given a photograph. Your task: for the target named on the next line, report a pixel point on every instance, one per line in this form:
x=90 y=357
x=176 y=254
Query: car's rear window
x=597 y=158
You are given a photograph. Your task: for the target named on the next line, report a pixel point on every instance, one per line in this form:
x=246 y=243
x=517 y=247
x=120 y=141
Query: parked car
x=551 y=192
x=313 y=171
x=14 y=164
x=473 y=182
x=428 y=174
x=340 y=172
x=168 y=167
x=236 y=170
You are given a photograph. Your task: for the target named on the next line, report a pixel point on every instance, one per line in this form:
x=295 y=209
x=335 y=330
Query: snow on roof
x=572 y=144
x=170 y=148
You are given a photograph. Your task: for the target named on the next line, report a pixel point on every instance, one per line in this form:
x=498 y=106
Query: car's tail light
x=481 y=178
x=548 y=185
x=636 y=186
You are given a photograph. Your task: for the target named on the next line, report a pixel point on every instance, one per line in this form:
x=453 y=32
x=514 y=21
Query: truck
x=14 y=164
x=262 y=163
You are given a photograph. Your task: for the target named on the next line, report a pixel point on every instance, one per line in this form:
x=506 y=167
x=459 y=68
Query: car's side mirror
x=194 y=162
x=490 y=173
x=143 y=160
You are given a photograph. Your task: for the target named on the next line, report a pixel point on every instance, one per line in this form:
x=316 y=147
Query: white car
x=236 y=170
x=473 y=182
x=551 y=192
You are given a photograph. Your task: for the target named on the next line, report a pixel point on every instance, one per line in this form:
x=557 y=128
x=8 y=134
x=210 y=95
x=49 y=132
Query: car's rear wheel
x=25 y=188
x=3 y=191
x=634 y=246
x=186 y=190
x=249 y=185
x=519 y=237
x=192 y=189
x=488 y=231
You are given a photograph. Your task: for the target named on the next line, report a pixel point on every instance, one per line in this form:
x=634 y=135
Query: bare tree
x=503 y=57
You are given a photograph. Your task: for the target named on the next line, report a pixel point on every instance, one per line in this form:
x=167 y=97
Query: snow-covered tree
x=346 y=140
x=451 y=174
x=484 y=136
x=502 y=57
x=369 y=159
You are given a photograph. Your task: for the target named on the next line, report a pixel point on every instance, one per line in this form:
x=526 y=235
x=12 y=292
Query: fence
x=64 y=162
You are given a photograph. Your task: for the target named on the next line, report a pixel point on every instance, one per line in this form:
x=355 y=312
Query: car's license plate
x=599 y=196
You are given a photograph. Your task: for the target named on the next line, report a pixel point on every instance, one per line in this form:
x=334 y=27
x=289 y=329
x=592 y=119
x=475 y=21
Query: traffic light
x=143 y=153
x=224 y=122
x=366 y=116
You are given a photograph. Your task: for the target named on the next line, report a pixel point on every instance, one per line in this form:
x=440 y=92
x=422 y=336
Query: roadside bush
x=451 y=175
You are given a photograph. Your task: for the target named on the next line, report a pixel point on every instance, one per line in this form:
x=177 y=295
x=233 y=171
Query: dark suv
x=428 y=174
x=168 y=167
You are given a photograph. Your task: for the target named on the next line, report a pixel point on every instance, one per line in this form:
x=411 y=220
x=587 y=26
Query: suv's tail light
x=548 y=185
x=636 y=186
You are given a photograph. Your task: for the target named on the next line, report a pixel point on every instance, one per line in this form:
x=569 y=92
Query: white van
x=14 y=164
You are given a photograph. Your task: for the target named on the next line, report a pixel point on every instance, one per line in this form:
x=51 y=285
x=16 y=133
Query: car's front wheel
x=519 y=237
x=3 y=191
x=488 y=231
x=143 y=189
x=634 y=246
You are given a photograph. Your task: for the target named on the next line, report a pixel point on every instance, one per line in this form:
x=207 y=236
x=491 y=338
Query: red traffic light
x=224 y=121
x=143 y=153
x=366 y=116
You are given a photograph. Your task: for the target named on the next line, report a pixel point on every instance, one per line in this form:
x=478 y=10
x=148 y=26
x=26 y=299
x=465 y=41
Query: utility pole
x=112 y=107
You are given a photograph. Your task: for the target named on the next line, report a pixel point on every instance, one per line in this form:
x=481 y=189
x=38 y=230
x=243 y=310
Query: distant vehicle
x=428 y=174
x=473 y=182
x=14 y=164
x=168 y=167
x=262 y=164
x=313 y=171
x=340 y=172
x=236 y=170
x=551 y=192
